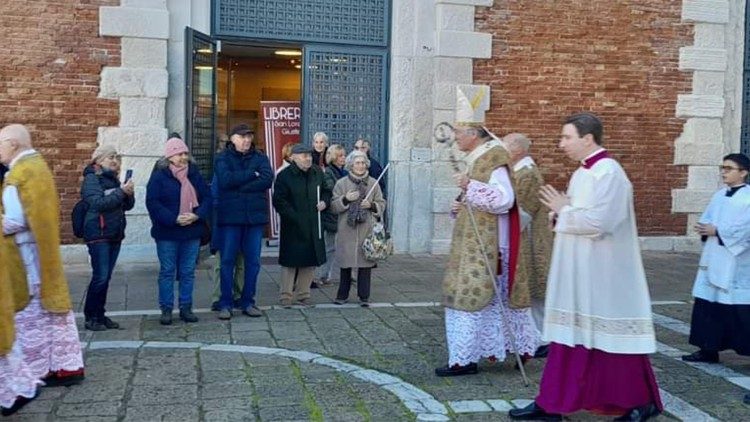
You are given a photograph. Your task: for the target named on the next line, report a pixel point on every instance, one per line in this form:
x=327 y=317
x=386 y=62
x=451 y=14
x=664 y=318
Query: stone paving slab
x=345 y=363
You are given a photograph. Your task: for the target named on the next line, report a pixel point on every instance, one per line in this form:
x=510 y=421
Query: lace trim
x=629 y=327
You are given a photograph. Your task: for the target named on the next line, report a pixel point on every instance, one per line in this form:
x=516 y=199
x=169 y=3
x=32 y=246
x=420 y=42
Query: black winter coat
x=163 y=203
x=294 y=197
x=243 y=182
x=107 y=203
x=330 y=176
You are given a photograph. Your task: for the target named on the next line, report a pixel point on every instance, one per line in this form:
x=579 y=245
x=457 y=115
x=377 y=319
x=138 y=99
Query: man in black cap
x=244 y=176
x=298 y=198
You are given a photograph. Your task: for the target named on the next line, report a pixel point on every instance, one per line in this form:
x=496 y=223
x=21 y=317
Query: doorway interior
x=249 y=74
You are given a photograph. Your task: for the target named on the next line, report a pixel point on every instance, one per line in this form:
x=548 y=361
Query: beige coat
x=536 y=238
x=349 y=239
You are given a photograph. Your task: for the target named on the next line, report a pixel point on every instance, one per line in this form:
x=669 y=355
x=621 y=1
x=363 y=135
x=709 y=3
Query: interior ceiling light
x=298 y=66
x=203 y=67
x=204 y=51
x=287 y=53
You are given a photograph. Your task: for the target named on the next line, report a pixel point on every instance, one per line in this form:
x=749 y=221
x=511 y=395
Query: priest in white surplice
x=598 y=310
x=478 y=318
x=721 y=313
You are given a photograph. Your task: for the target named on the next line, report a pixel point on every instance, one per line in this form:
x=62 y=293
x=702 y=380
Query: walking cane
x=445 y=134
x=320 y=234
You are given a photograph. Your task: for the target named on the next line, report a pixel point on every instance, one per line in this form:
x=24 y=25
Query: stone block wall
x=49 y=81
x=140 y=84
x=620 y=60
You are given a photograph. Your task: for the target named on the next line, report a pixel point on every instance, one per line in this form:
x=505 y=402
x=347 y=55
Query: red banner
x=281 y=125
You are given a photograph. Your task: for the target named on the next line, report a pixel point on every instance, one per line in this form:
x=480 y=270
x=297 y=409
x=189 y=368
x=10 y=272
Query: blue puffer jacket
x=105 y=218
x=163 y=203
x=243 y=183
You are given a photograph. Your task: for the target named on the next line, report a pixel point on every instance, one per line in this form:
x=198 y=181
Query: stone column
x=141 y=86
x=433 y=44
x=711 y=109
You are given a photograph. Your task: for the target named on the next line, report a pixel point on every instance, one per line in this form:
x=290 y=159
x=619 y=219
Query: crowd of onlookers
x=327 y=200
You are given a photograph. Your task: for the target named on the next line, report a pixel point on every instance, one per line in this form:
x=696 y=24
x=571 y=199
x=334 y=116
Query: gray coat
x=349 y=239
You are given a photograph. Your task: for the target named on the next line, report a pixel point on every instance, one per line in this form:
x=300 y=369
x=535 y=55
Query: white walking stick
x=377 y=181
x=445 y=134
x=320 y=232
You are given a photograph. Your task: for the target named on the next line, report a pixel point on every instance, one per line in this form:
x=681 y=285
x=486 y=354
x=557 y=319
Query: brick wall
x=617 y=59
x=49 y=81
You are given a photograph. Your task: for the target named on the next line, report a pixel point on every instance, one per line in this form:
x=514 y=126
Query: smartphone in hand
x=128 y=175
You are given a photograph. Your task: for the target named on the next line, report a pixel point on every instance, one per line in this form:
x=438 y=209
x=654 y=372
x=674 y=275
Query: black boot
x=166 y=316
x=640 y=414
x=111 y=325
x=94 y=325
x=533 y=412
x=702 y=356
x=187 y=315
x=746 y=400
x=456 y=370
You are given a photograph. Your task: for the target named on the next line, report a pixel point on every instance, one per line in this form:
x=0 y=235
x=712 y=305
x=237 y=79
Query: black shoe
x=746 y=399
x=365 y=303
x=314 y=285
x=18 y=404
x=111 y=325
x=187 y=315
x=54 y=380
x=94 y=325
x=533 y=412
x=215 y=306
x=542 y=352
x=702 y=356
x=456 y=370
x=166 y=317
x=640 y=414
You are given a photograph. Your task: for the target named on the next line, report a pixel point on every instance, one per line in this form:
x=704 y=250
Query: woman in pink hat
x=179 y=203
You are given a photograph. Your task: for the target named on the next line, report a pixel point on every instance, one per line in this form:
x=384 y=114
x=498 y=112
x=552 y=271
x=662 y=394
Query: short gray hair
x=353 y=156
x=517 y=140
x=321 y=135
x=332 y=153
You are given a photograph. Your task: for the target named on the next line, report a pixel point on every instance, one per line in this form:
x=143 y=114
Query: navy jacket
x=105 y=218
x=243 y=182
x=163 y=203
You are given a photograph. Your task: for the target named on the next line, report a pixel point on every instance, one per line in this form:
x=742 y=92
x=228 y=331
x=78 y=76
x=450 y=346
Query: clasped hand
x=186 y=219
x=705 y=229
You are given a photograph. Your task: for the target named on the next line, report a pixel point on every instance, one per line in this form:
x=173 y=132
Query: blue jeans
x=177 y=259
x=103 y=258
x=246 y=239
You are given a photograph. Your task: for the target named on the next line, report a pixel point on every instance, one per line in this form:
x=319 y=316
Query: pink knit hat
x=175 y=146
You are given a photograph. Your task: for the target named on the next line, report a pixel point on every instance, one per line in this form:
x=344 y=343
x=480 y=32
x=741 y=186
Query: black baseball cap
x=241 y=129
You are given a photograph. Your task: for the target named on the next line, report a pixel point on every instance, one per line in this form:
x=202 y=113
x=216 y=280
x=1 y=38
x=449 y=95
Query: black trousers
x=363 y=283
x=715 y=327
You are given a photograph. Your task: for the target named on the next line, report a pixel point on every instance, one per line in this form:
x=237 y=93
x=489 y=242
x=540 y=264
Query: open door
x=200 y=99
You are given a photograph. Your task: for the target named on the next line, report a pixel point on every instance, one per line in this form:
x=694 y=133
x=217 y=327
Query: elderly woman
x=286 y=156
x=319 y=144
x=336 y=159
x=179 y=203
x=104 y=229
x=357 y=212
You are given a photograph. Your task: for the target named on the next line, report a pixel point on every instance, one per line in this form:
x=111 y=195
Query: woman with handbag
x=179 y=204
x=358 y=202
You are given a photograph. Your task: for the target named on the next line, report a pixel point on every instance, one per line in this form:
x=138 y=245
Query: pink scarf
x=188 y=197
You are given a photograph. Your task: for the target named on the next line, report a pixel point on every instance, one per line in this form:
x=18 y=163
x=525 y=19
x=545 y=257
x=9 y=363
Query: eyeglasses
x=728 y=168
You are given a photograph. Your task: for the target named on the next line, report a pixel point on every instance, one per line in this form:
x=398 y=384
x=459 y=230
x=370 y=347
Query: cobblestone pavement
x=329 y=363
